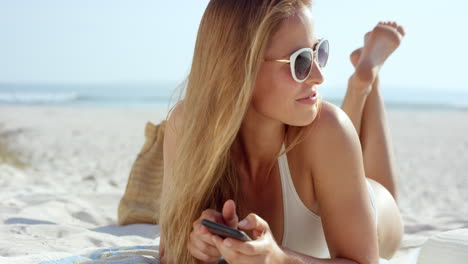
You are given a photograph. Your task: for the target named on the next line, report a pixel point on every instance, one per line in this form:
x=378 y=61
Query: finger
x=253 y=222
x=203 y=234
x=209 y=249
x=203 y=257
x=196 y=247
x=401 y=30
x=250 y=248
x=232 y=255
x=212 y=215
x=206 y=248
x=224 y=249
x=229 y=214
x=199 y=228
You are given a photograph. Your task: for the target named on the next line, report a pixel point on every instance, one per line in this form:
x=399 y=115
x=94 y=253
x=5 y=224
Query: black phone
x=225 y=231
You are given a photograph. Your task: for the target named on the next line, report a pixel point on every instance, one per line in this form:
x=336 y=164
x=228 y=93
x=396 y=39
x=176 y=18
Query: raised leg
x=355 y=100
x=376 y=142
x=364 y=105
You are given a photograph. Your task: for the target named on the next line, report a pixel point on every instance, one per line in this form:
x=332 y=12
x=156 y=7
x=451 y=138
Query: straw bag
x=140 y=202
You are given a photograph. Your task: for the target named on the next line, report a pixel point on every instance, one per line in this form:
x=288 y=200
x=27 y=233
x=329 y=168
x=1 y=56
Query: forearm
x=298 y=258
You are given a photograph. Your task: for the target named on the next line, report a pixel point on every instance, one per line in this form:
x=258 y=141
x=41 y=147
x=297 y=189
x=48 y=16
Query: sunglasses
x=301 y=60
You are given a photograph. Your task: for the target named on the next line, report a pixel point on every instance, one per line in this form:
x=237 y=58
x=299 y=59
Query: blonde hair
x=231 y=42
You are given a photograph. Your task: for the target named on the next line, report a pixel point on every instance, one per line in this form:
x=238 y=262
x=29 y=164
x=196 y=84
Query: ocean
x=158 y=95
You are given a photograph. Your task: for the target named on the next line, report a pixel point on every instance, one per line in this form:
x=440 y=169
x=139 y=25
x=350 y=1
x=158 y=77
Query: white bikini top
x=303 y=231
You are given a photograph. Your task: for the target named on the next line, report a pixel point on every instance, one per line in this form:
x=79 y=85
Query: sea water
x=164 y=95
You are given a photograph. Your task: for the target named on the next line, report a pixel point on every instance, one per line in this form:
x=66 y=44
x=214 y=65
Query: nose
x=315 y=76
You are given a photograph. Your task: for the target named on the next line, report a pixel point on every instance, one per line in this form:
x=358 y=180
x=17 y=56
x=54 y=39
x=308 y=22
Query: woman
x=313 y=183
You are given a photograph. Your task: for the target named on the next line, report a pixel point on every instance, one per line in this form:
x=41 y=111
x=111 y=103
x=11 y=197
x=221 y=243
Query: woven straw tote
x=140 y=202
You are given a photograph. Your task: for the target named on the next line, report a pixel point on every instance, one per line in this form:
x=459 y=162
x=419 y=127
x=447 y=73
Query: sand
x=63 y=171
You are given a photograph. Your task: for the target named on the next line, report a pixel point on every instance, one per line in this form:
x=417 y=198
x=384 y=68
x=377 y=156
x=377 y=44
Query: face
x=276 y=93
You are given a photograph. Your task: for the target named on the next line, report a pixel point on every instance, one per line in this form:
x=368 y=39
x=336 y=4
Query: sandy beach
x=63 y=171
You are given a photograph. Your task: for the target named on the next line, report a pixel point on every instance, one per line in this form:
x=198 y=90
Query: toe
x=401 y=30
x=367 y=35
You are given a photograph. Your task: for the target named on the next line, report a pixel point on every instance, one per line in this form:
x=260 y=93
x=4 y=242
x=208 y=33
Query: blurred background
x=134 y=53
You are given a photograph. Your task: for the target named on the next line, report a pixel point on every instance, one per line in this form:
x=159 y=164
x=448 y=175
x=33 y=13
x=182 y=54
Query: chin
x=305 y=120
x=308 y=117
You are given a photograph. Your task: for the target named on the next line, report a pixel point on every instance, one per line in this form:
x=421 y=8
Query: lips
x=311 y=94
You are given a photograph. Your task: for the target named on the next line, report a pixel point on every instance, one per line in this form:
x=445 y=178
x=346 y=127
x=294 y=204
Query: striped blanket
x=445 y=247
x=117 y=255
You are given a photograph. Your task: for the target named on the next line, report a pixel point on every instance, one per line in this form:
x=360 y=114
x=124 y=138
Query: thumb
x=229 y=214
x=255 y=223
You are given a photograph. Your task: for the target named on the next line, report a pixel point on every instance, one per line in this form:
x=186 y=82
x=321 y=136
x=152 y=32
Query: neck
x=257 y=145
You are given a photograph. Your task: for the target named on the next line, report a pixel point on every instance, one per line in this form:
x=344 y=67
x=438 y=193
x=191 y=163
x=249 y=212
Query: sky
x=111 y=41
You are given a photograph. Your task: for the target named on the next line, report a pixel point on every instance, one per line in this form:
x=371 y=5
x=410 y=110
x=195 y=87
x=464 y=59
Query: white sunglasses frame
x=292 y=59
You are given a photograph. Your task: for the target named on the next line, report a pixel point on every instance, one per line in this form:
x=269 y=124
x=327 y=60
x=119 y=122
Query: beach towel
x=117 y=255
x=446 y=247
x=140 y=202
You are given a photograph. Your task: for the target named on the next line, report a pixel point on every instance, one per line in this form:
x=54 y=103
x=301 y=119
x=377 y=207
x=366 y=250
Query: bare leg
x=378 y=165
x=354 y=101
x=376 y=142
x=363 y=103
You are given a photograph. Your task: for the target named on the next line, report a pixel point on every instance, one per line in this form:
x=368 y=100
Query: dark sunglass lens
x=322 y=53
x=303 y=64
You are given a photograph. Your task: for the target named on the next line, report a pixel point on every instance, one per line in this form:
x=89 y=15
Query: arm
x=263 y=248
x=294 y=257
x=169 y=148
x=340 y=188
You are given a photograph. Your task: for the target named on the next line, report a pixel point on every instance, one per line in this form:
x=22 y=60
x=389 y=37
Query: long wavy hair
x=229 y=50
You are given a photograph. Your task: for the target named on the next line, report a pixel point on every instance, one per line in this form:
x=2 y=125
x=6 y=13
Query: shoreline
x=390 y=106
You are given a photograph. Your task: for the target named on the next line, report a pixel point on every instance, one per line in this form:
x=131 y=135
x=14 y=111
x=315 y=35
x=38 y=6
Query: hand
x=263 y=249
x=200 y=244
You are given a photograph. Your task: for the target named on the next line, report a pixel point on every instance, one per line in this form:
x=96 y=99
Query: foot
x=379 y=44
x=354 y=57
x=356 y=54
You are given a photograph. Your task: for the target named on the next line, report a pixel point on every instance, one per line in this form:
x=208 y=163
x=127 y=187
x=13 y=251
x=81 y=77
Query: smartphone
x=225 y=231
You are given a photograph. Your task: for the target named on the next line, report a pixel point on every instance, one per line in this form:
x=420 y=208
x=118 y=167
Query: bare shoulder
x=173 y=125
x=170 y=138
x=332 y=132
x=330 y=123
x=333 y=119
x=176 y=117
x=337 y=169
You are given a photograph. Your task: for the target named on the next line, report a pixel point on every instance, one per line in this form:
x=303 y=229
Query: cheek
x=274 y=89
x=275 y=95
